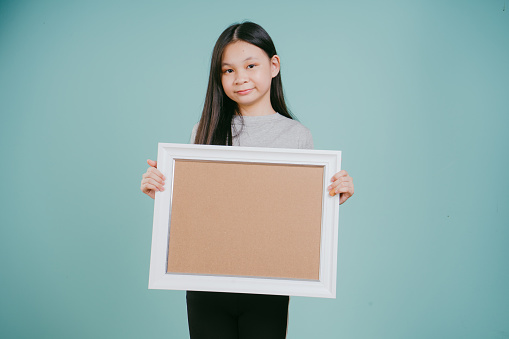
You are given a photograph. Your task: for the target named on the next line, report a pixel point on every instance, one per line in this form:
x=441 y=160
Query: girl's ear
x=275 y=65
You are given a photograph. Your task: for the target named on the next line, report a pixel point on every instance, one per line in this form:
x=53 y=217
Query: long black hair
x=218 y=110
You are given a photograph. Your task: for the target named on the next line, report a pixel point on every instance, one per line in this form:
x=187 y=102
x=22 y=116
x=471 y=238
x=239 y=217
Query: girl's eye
x=228 y=71
x=251 y=66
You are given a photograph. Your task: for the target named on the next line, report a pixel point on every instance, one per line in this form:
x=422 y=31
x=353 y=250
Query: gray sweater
x=272 y=130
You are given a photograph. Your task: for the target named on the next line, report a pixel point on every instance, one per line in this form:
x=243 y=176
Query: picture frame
x=295 y=254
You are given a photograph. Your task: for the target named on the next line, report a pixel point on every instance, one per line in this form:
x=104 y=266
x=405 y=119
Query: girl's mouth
x=244 y=92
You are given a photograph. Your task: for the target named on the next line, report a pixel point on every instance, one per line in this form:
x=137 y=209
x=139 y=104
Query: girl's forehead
x=239 y=51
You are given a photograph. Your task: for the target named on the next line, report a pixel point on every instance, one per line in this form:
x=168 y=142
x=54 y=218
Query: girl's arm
x=342 y=183
x=152 y=180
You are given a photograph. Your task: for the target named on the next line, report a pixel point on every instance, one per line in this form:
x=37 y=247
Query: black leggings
x=236 y=315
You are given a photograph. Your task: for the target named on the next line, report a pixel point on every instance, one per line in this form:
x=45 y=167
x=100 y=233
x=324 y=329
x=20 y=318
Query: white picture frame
x=324 y=287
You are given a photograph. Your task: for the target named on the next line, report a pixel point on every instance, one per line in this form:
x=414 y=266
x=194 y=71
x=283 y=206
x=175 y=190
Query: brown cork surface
x=245 y=219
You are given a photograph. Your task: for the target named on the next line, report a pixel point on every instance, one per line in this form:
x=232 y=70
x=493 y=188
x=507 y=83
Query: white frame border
x=325 y=287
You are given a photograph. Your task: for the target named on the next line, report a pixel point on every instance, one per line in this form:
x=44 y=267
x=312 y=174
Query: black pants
x=214 y=315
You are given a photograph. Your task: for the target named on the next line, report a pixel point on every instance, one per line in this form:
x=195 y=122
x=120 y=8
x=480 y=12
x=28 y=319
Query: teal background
x=415 y=94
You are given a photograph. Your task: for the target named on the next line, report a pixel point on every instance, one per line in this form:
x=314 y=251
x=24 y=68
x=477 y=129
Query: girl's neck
x=256 y=111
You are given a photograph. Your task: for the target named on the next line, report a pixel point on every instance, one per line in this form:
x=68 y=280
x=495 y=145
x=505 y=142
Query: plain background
x=415 y=94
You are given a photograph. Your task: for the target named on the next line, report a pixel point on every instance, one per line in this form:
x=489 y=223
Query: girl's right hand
x=152 y=180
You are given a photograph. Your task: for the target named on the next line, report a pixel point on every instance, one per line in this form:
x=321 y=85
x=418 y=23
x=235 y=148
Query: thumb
x=152 y=163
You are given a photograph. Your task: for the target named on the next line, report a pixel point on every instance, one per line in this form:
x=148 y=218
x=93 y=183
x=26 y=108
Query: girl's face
x=246 y=76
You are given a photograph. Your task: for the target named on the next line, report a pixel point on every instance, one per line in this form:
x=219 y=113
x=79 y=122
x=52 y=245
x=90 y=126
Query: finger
x=333 y=185
x=338 y=175
x=332 y=188
x=344 y=197
x=147 y=177
x=154 y=187
x=339 y=181
x=151 y=184
x=158 y=185
x=158 y=177
x=150 y=191
x=156 y=172
x=152 y=163
x=344 y=188
x=341 y=188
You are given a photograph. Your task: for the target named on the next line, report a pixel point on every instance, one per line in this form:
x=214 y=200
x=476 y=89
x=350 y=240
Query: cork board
x=245 y=219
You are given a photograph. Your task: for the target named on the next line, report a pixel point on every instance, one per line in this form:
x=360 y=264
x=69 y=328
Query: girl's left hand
x=342 y=183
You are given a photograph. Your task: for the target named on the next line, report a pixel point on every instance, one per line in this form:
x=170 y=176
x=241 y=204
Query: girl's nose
x=241 y=77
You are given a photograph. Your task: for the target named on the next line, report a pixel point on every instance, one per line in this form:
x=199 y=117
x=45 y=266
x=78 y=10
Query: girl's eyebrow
x=246 y=59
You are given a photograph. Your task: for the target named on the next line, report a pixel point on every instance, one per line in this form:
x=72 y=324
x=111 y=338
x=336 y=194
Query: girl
x=244 y=106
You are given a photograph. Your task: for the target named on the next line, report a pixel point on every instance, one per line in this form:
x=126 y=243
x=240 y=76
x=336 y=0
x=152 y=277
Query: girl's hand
x=342 y=183
x=152 y=180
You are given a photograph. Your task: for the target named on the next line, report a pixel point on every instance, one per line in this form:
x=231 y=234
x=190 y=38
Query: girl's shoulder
x=274 y=130
x=292 y=123
x=297 y=129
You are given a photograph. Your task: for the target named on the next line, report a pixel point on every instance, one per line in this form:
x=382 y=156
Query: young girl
x=244 y=106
